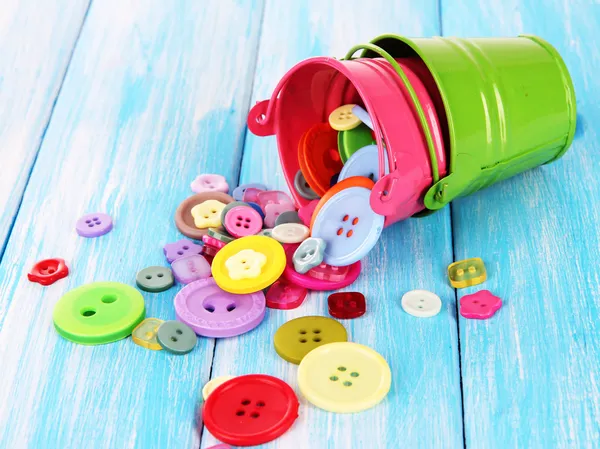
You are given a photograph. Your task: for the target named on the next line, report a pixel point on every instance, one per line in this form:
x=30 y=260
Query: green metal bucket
x=509 y=105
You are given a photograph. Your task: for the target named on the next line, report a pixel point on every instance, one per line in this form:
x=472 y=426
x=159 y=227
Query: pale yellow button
x=344 y=377
x=343 y=119
x=212 y=384
x=207 y=214
x=145 y=334
x=247 y=264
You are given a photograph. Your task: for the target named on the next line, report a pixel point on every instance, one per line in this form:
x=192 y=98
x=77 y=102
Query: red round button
x=48 y=271
x=250 y=410
x=242 y=221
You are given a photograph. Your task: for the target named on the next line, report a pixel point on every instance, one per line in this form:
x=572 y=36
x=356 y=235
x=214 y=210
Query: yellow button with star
x=343 y=119
x=207 y=214
x=144 y=334
x=466 y=273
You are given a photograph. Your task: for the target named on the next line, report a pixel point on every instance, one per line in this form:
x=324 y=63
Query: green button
x=98 y=313
x=155 y=279
x=296 y=338
x=220 y=234
x=349 y=142
x=176 y=337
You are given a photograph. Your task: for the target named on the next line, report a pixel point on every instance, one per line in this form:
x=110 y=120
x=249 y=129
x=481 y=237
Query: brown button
x=183 y=216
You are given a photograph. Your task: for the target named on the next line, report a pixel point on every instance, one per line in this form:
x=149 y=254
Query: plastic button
x=238 y=192
x=94 y=225
x=214 y=383
x=362 y=115
x=344 y=377
x=285 y=296
x=290 y=233
x=251 y=195
x=191 y=268
x=302 y=187
x=296 y=338
x=266 y=232
x=309 y=254
x=273 y=197
x=154 y=279
x=176 y=337
x=305 y=213
x=230 y=206
x=48 y=271
x=210 y=183
x=257 y=208
x=421 y=303
x=211 y=241
x=480 y=305
x=220 y=446
x=242 y=221
x=343 y=119
x=183 y=216
x=207 y=214
x=144 y=334
x=329 y=272
x=351 y=141
x=466 y=273
x=181 y=248
x=289 y=216
x=220 y=234
x=98 y=313
x=272 y=211
x=212 y=312
x=250 y=410
x=346 y=305
x=365 y=162
x=247 y=264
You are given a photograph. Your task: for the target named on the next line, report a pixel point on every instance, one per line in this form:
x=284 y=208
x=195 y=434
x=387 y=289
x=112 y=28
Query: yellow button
x=212 y=384
x=343 y=119
x=145 y=334
x=344 y=377
x=247 y=264
x=273 y=268
x=207 y=214
x=466 y=273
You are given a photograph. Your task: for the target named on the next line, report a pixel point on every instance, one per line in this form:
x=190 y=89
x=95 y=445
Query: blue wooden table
x=116 y=105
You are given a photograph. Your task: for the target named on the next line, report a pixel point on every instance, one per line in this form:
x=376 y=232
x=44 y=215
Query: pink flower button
x=273 y=197
x=272 y=211
x=480 y=305
x=251 y=195
x=306 y=212
x=241 y=221
x=210 y=183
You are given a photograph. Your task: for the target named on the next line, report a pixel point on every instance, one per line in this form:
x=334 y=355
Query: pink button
x=480 y=305
x=285 y=295
x=272 y=211
x=306 y=212
x=242 y=221
x=211 y=241
x=329 y=273
x=251 y=195
x=273 y=197
x=209 y=183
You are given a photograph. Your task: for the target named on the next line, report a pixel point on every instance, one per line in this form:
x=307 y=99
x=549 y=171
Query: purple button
x=212 y=312
x=94 y=225
x=190 y=268
x=181 y=248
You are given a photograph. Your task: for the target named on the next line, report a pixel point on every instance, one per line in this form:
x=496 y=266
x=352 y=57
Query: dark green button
x=154 y=279
x=176 y=337
x=353 y=140
x=220 y=234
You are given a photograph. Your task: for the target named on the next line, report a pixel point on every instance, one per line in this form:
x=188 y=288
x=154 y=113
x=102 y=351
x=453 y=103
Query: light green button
x=349 y=142
x=98 y=313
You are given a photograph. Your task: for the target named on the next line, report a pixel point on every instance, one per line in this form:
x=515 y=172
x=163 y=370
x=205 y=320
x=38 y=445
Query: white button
x=212 y=384
x=421 y=303
x=290 y=233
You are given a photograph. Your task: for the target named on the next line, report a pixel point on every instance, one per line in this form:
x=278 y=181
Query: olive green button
x=220 y=234
x=155 y=279
x=98 y=313
x=349 y=142
x=176 y=337
x=296 y=338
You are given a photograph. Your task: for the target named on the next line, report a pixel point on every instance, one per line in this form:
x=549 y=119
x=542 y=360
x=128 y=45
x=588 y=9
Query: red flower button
x=48 y=271
x=346 y=305
x=480 y=305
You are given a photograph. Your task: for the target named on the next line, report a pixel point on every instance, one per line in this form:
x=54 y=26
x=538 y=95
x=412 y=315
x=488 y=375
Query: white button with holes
x=421 y=303
x=290 y=233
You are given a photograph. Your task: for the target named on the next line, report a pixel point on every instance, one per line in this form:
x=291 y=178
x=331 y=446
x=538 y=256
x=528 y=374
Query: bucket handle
x=413 y=96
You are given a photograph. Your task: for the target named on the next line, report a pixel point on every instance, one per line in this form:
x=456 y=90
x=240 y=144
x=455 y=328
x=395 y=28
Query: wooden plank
x=531 y=375
x=36 y=42
x=156 y=93
x=423 y=408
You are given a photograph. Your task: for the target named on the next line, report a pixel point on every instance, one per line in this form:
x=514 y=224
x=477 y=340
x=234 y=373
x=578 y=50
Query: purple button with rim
x=212 y=312
x=94 y=225
x=181 y=248
x=190 y=268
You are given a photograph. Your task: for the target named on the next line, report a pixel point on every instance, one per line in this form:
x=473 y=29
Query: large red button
x=48 y=271
x=250 y=410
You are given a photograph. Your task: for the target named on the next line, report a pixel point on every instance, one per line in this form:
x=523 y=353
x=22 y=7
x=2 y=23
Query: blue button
x=238 y=192
x=362 y=115
x=257 y=208
x=365 y=162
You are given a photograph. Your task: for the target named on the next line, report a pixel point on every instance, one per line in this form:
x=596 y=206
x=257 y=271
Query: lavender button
x=181 y=248
x=94 y=225
x=190 y=268
x=212 y=312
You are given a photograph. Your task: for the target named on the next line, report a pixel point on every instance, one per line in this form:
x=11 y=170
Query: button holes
x=341 y=368
x=88 y=221
x=354 y=374
x=206 y=216
x=419 y=307
x=50 y=271
x=460 y=272
x=246 y=402
x=316 y=331
x=259 y=119
x=276 y=214
x=186 y=247
x=243 y=261
x=355 y=221
x=340 y=231
x=483 y=305
x=247 y=220
x=209 y=308
x=471 y=269
x=260 y=404
x=346 y=217
x=88 y=312
x=90 y=226
x=179 y=332
x=213 y=211
x=108 y=299
x=246 y=267
x=254 y=415
x=302 y=331
x=347 y=384
x=316 y=339
x=385 y=193
x=239 y=217
x=238 y=225
x=180 y=253
x=246 y=226
x=302 y=340
x=173 y=338
x=149 y=335
x=349 y=233
x=148 y=276
x=475 y=301
x=231 y=307
x=240 y=413
x=311 y=252
x=333 y=378
x=421 y=300
x=95 y=218
x=98 y=222
x=160 y=275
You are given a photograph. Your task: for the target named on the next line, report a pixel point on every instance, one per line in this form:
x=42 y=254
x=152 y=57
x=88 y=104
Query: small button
x=365 y=162
x=273 y=197
x=285 y=296
x=266 y=232
x=290 y=233
x=343 y=119
x=309 y=254
x=94 y=225
x=220 y=234
x=183 y=216
x=242 y=221
x=181 y=248
x=421 y=303
x=238 y=192
x=346 y=305
x=144 y=334
x=230 y=206
x=210 y=386
x=176 y=337
x=466 y=273
x=296 y=338
x=273 y=211
x=305 y=213
x=257 y=208
x=251 y=194
x=207 y=214
x=209 y=183
x=480 y=306
x=191 y=268
x=48 y=271
x=154 y=279
x=303 y=188
x=247 y=264
x=289 y=216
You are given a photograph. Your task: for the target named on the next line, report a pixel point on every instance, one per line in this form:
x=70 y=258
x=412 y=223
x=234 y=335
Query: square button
x=346 y=305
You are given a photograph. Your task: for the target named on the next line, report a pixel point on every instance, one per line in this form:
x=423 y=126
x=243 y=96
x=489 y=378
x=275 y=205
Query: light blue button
x=238 y=192
x=309 y=254
x=362 y=115
x=365 y=162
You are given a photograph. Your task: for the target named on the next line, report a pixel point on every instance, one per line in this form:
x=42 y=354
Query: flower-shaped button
x=302 y=187
x=94 y=225
x=466 y=273
x=191 y=268
x=241 y=221
x=480 y=305
x=306 y=212
x=364 y=162
x=238 y=192
x=207 y=214
x=144 y=334
x=290 y=233
x=346 y=305
x=181 y=248
x=247 y=264
x=285 y=295
x=210 y=183
x=48 y=271
x=272 y=211
x=421 y=303
x=343 y=119
x=309 y=254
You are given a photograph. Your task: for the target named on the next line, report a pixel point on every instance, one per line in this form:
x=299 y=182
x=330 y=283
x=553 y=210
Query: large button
x=351 y=141
x=212 y=312
x=209 y=183
x=344 y=377
x=183 y=216
x=191 y=268
x=176 y=337
x=181 y=248
x=318 y=157
x=285 y=295
x=144 y=334
x=212 y=384
x=365 y=162
x=343 y=119
x=270 y=271
x=238 y=192
x=296 y=338
x=94 y=225
x=97 y=313
x=346 y=305
x=154 y=279
x=250 y=410
x=345 y=221
x=421 y=303
x=303 y=188
x=48 y=271
x=242 y=221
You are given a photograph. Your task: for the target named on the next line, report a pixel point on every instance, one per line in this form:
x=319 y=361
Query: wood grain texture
x=423 y=408
x=531 y=374
x=156 y=93
x=36 y=41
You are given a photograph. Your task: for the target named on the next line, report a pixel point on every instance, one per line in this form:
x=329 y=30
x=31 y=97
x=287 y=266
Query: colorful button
x=176 y=337
x=238 y=192
x=144 y=334
x=220 y=234
x=212 y=312
x=257 y=208
x=351 y=141
x=242 y=221
x=270 y=272
x=250 y=410
x=273 y=197
x=190 y=268
x=208 y=240
x=344 y=377
x=421 y=303
x=309 y=254
x=272 y=211
x=303 y=188
x=329 y=272
x=48 y=271
x=155 y=279
x=480 y=305
x=289 y=216
x=247 y=264
x=466 y=273
x=94 y=225
x=290 y=233
x=209 y=252
x=305 y=213
x=210 y=183
x=251 y=195
x=342 y=118
x=183 y=216
x=362 y=115
x=214 y=383
x=346 y=305
x=296 y=338
x=98 y=313
x=347 y=223
x=181 y=248
x=285 y=296
x=230 y=206
x=207 y=214
x=365 y=162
